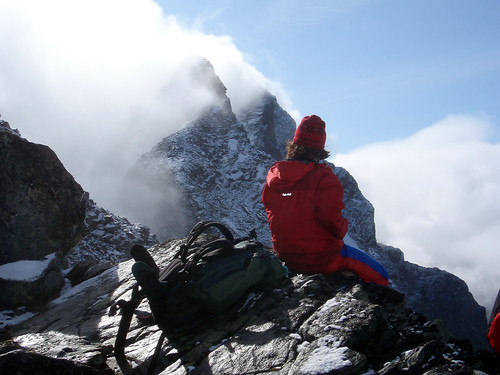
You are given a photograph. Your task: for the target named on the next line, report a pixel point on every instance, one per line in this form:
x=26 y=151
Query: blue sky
x=409 y=91
x=374 y=70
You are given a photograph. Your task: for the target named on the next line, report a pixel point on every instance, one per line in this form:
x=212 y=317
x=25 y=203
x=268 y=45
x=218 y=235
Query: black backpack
x=202 y=278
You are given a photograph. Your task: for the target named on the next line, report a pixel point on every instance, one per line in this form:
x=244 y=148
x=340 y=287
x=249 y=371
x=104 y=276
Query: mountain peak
x=196 y=86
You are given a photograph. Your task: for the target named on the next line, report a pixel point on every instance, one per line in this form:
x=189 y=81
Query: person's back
x=303 y=199
x=304 y=203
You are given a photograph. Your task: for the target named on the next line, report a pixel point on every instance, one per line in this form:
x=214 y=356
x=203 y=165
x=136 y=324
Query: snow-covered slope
x=213 y=168
x=108 y=238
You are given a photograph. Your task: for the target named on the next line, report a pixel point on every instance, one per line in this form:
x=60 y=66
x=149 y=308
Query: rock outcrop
x=309 y=324
x=436 y=293
x=42 y=207
x=44 y=213
x=107 y=242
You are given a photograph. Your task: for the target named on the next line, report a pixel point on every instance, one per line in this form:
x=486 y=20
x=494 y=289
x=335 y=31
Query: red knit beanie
x=311 y=133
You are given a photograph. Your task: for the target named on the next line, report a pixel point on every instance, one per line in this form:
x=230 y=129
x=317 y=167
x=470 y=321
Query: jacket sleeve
x=329 y=201
x=494 y=334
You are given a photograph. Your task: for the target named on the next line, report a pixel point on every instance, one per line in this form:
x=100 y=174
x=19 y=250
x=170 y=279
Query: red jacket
x=494 y=334
x=303 y=204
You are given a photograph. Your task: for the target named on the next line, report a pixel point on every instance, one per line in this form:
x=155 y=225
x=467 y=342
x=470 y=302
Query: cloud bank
x=437 y=197
x=87 y=78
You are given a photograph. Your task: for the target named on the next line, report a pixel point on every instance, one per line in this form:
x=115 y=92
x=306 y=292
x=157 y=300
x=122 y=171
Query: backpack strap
x=221 y=245
x=156 y=354
x=127 y=308
x=198 y=229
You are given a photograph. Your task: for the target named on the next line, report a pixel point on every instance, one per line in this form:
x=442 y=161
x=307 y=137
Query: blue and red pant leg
x=351 y=259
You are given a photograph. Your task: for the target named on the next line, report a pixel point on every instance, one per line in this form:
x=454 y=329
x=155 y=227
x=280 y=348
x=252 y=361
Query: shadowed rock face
x=33 y=293
x=19 y=361
x=308 y=324
x=42 y=207
x=44 y=213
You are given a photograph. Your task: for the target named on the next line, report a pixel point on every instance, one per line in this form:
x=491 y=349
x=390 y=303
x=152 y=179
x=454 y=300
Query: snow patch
x=11 y=318
x=329 y=304
x=25 y=270
x=324 y=360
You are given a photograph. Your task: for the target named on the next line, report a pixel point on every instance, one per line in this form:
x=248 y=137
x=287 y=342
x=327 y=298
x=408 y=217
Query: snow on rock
x=109 y=238
x=30 y=283
x=215 y=168
x=12 y=318
x=324 y=360
x=25 y=270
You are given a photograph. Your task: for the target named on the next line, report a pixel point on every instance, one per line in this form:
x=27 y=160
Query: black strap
x=127 y=308
x=222 y=244
x=156 y=354
x=198 y=229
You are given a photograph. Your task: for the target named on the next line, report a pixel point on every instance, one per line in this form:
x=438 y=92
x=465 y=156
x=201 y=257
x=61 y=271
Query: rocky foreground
x=310 y=324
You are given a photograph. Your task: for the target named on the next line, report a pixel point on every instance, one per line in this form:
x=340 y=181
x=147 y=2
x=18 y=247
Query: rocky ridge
x=107 y=242
x=312 y=324
x=212 y=168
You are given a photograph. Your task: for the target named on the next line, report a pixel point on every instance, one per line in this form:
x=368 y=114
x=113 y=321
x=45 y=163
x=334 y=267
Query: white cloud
x=86 y=79
x=437 y=197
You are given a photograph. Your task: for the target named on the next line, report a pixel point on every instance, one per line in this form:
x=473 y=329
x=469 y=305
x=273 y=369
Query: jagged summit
x=196 y=88
x=214 y=167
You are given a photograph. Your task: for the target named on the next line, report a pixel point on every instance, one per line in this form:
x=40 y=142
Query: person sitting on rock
x=303 y=199
x=494 y=333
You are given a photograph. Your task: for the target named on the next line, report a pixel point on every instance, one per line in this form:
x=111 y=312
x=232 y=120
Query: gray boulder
x=44 y=213
x=32 y=290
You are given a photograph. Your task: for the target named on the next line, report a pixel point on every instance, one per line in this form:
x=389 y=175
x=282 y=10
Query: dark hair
x=298 y=152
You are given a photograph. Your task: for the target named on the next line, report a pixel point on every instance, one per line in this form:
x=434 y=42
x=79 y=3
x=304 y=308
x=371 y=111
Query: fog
x=102 y=82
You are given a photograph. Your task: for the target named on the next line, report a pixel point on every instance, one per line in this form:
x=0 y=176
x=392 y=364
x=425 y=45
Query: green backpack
x=207 y=277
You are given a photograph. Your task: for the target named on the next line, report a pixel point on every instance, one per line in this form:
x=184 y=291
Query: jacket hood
x=284 y=175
